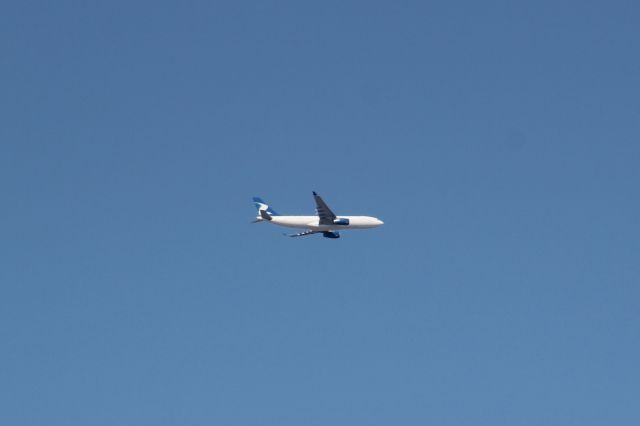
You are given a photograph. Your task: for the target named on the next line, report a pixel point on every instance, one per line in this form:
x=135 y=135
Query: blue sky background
x=499 y=142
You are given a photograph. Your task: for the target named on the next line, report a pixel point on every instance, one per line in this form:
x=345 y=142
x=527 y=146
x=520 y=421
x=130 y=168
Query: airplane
x=325 y=223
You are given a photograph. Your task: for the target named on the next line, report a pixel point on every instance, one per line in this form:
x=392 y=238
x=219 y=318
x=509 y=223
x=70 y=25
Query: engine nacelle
x=341 y=221
x=329 y=234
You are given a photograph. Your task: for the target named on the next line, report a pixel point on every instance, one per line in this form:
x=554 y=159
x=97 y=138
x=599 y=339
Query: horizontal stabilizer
x=265 y=215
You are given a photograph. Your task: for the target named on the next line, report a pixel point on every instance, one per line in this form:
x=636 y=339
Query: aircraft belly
x=317 y=227
x=294 y=221
x=311 y=222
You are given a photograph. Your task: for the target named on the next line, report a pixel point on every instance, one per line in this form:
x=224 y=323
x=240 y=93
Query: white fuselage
x=311 y=222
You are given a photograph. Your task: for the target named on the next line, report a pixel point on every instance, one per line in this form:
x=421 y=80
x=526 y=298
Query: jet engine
x=329 y=234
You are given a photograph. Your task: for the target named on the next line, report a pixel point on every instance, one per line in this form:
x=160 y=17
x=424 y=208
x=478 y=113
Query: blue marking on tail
x=257 y=201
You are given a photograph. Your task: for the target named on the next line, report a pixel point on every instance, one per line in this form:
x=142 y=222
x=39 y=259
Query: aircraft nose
x=379 y=222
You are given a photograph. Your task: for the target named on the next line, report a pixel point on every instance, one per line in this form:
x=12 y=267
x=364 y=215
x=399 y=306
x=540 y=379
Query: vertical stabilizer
x=262 y=206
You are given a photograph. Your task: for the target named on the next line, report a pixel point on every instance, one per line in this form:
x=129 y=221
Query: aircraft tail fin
x=262 y=206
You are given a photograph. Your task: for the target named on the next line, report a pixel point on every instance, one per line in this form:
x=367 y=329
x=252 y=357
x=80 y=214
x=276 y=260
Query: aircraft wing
x=326 y=234
x=302 y=234
x=325 y=215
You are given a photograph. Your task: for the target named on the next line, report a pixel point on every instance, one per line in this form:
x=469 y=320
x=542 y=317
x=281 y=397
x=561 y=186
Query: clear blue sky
x=499 y=141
